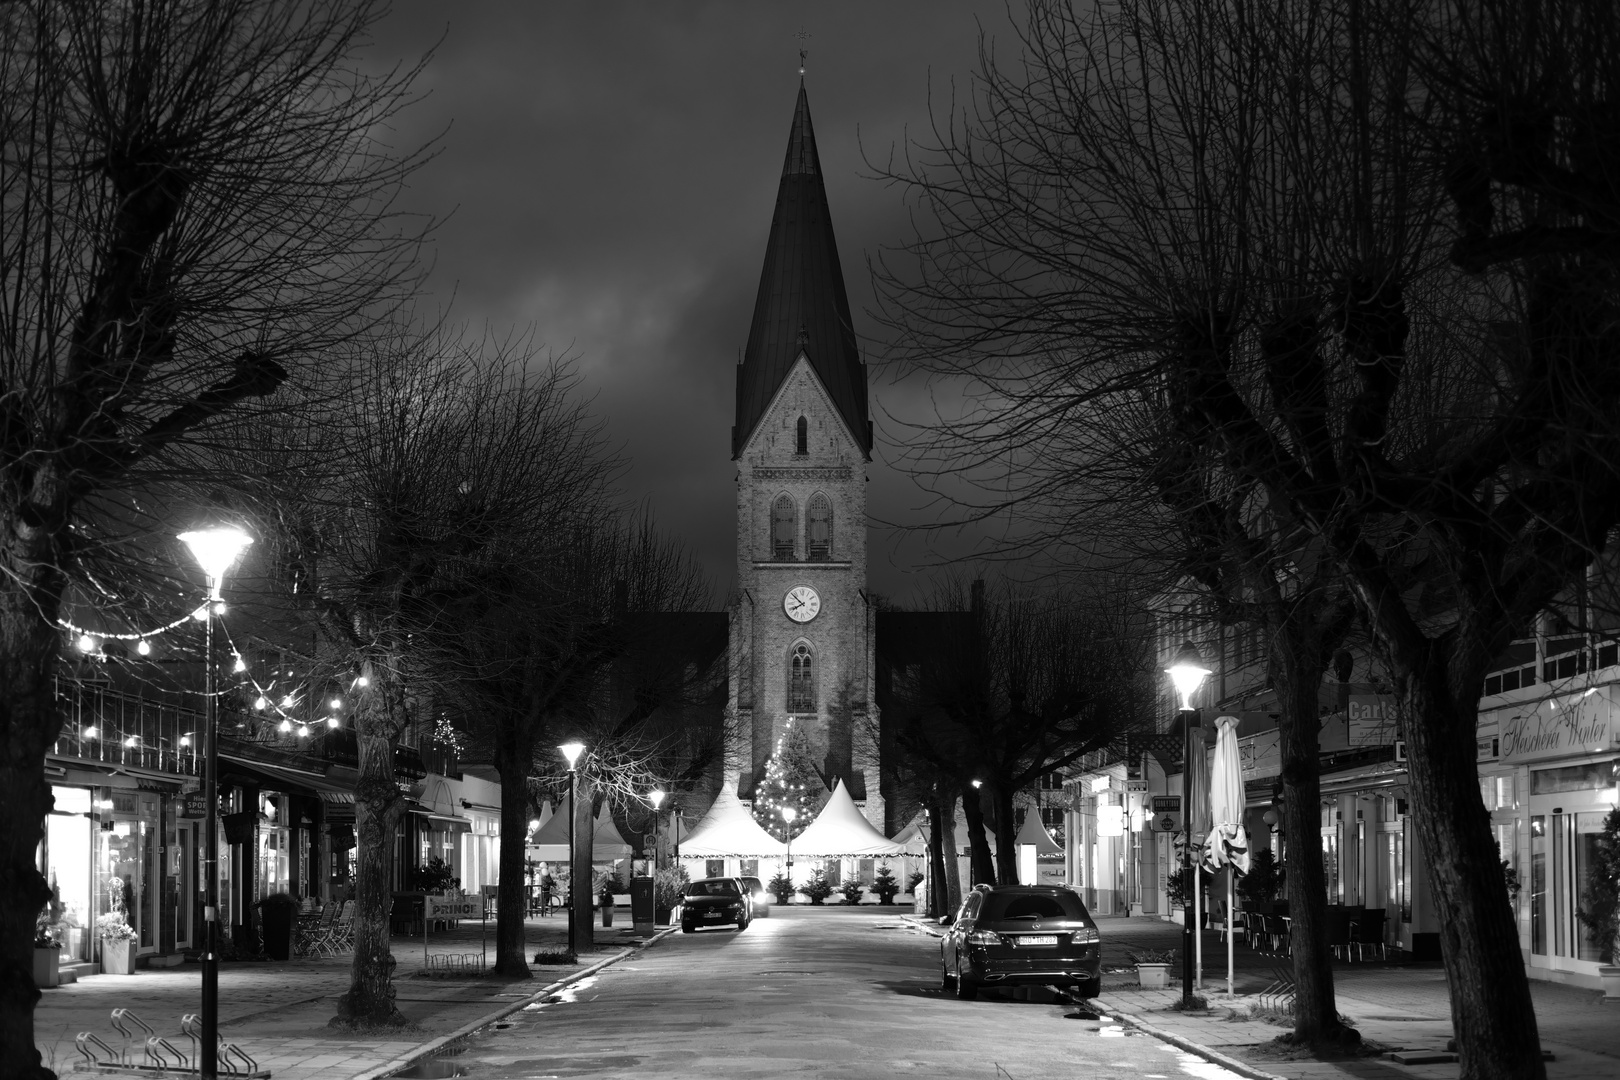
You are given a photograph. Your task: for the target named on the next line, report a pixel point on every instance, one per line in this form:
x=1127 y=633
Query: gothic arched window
x=819 y=532
x=783 y=526
x=802 y=445
x=801 y=695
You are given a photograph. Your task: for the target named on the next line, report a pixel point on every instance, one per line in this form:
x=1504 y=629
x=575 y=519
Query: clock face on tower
x=801 y=603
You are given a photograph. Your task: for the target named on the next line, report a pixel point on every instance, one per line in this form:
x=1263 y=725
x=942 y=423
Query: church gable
x=824 y=440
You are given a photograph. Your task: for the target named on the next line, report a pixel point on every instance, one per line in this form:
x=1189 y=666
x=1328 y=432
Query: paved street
x=809 y=992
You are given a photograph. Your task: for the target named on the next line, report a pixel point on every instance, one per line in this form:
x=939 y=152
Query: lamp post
x=656 y=797
x=216 y=551
x=1187 y=672
x=571 y=752
x=788 y=814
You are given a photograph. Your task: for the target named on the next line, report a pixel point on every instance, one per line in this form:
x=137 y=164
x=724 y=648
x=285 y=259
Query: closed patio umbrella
x=1228 y=841
x=1198 y=822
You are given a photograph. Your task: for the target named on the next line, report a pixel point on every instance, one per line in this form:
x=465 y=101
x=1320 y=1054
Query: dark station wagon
x=1022 y=935
x=714 y=902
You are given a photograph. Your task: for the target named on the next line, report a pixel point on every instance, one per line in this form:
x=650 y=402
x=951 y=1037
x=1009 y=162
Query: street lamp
x=788 y=814
x=571 y=751
x=216 y=551
x=656 y=797
x=1187 y=673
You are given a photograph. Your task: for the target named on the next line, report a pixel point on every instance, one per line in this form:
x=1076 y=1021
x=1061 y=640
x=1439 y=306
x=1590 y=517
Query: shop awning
x=291 y=781
x=436 y=820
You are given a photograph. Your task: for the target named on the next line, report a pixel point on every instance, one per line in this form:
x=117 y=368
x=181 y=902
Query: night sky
x=608 y=172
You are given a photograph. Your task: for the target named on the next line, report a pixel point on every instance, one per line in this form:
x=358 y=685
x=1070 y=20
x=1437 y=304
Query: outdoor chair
x=341 y=938
x=1338 y=930
x=1367 y=932
x=312 y=930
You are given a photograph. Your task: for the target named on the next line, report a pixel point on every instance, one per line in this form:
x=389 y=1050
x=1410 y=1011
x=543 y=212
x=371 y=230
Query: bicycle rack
x=159 y=1055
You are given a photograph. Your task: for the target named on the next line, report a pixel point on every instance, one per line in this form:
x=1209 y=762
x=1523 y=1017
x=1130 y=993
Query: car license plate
x=1036 y=939
x=717 y=914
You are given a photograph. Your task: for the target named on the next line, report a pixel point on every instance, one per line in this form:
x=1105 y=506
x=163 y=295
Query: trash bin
x=641 y=905
x=606 y=900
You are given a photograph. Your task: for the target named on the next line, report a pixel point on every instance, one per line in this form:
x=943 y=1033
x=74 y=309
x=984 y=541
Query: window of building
x=801 y=681
x=820 y=530
x=782 y=527
x=801 y=444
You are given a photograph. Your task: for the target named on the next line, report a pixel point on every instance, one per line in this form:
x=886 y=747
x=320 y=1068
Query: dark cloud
x=608 y=172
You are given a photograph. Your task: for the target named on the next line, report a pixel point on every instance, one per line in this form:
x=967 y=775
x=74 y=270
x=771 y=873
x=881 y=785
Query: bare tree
x=1025 y=685
x=191 y=209
x=1238 y=207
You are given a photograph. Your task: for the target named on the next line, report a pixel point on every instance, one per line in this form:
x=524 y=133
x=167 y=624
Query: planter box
x=1153 y=976
x=1609 y=974
x=117 y=957
x=46 y=970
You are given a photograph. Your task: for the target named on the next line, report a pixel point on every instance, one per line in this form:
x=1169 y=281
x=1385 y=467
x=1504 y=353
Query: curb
x=1242 y=1068
x=926 y=927
x=399 y=1064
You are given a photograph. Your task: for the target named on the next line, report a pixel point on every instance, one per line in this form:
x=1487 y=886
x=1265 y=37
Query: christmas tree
x=791 y=779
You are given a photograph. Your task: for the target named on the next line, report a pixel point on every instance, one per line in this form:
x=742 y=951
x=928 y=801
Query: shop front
x=1553 y=776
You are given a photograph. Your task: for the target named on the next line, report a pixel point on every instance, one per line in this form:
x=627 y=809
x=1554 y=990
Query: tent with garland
x=550 y=842
x=728 y=830
x=840 y=831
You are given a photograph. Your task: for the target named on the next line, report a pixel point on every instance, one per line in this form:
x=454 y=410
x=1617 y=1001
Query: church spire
x=802 y=305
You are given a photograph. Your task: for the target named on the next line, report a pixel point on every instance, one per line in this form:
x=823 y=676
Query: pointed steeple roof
x=802 y=305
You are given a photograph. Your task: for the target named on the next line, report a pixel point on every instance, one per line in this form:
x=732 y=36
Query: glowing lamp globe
x=656 y=797
x=571 y=751
x=1187 y=672
x=789 y=814
x=216 y=551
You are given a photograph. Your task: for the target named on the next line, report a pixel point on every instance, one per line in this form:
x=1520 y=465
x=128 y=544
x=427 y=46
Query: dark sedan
x=714 y=902
x=1022 y=935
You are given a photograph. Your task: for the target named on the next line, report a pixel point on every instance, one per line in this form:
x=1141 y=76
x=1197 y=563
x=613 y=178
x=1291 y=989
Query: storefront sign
x=461 y=907
x=195 y=806
x=1260 y=755
x=1580 y=723
x=1165 y=814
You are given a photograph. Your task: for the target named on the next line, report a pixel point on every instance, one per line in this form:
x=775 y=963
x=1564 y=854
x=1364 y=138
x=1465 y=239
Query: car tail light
x=984 y=937
x=1087 y=936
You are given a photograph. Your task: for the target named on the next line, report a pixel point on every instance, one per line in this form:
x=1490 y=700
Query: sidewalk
x=277 y=1012
x=1403 y=1006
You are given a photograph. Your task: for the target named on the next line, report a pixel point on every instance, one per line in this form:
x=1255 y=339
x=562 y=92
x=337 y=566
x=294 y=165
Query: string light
x=144 y=647
x=241 y=664
x=91 y=732
x=337 y=703
x=286 y=726
x=303 y=731
x=362 y=681
x=201 y=614
x=185 y=740
x=87 y=643
x=261 y=703
x=288 y=701
x=332 y=722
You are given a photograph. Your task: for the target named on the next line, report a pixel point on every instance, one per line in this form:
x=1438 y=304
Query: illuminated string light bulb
x=219 y=607
x=261 y=702
x=285 y=726
x=337 y=703
x=303 y=731
x=332 y=722
x=87 y=643
x=362 y=681
x=92 y=732
x=131 y=740
x=144 y=647
x=287 y=702
x=241 y=664
x=201 y=614
x=185 y=740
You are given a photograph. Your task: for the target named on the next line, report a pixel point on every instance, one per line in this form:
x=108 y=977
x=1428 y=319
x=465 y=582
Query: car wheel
x=966 y=989
x=687 y=928
x=742 y=924
x=947 y=981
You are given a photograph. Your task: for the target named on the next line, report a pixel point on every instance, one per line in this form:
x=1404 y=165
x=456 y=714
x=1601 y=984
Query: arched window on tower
x=819 y=531
x=782 y=527
x=801 y=681
x=802 y=445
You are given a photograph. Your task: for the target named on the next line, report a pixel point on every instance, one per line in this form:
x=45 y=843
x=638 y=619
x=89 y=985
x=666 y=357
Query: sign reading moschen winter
x=1580 y=723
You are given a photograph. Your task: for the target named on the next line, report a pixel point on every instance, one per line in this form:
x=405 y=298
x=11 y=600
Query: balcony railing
x=117 y=728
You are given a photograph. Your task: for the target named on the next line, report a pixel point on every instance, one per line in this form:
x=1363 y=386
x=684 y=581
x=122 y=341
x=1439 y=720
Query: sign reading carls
x=1580 y=723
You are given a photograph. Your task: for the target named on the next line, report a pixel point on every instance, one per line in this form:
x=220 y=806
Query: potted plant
x=781 y=888
x=47 y=948
x=852 y=890
x=279 y=916
x=117 y=944
x=669 y=885
x=1260 y=886
x=885 y=886
x=818 y=888
x=1600 y=903
x=1152 y=968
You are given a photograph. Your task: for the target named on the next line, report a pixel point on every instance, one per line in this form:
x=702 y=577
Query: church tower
x=802 y=628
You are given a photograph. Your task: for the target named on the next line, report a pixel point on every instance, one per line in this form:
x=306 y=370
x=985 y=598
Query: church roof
x=802 y=305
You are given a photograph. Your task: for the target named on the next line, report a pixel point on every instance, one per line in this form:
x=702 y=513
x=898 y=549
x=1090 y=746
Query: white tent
x=840 y=830
x=728 y=829
x=550 y=842
x=913 y=839
x=1033 y=840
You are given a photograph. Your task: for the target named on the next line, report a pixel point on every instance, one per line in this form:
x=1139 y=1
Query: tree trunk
x=29 y=722
x=947 y=870
x=377 y=807
x=1001 y=797
x=510 y=946
x=1297 y=666
x=581 y=894
x=980 y=861
x=1492 y=1014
